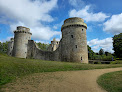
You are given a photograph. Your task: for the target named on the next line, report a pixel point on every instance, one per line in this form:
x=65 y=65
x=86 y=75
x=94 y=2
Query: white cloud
x=56 y=26
x=89 y=28
x=38 y=33
x=41 y=34
x=77 y=3
x=57 y=39
x=29 y=13
x=88 y=16
x=114 y=24
x=105 y=44
x=7 y=39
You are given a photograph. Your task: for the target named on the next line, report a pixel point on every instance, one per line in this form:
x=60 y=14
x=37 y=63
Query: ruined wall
x=34 y=52
x=71 y=48
x=10 y=47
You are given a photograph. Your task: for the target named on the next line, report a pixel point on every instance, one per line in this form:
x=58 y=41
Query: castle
x=71 y=48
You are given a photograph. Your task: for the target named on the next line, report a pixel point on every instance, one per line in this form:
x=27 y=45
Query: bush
x=104 y=57
x=108 y=58
x=118 y=58
x=116 y=62
x=113 y=62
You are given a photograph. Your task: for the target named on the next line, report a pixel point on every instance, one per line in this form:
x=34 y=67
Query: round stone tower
x=74 y=42
x=21 y=37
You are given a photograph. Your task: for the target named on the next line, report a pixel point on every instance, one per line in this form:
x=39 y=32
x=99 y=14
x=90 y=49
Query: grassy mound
x=112 y=82
x=11 y=68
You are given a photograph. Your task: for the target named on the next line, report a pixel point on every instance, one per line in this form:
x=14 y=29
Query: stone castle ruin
x=71 y=48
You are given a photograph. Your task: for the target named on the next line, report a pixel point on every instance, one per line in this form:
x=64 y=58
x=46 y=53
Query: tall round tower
x=74 y=42
x=21 y=37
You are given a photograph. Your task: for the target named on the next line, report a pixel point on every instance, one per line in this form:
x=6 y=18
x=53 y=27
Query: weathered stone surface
x=54 y=45
x=74 y=43
x=21 y=37
x=71 y=48
x=10 y=47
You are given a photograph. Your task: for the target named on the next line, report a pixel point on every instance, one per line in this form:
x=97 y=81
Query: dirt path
x=68 y=81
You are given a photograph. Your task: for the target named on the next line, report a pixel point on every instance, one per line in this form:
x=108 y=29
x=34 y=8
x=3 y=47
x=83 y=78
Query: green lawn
x=112 y=82
x=11 y=68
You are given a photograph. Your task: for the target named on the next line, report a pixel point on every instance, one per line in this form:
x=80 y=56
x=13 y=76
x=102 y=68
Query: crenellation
x=71 y=48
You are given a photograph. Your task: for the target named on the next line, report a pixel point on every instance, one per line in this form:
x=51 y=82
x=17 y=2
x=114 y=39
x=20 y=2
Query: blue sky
x=45 y=18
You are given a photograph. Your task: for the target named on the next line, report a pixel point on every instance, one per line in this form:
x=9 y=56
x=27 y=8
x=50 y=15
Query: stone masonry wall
x=34 y=52
x=71 y=48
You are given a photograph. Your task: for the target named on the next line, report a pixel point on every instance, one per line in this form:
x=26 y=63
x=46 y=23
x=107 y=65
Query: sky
x=45 y=18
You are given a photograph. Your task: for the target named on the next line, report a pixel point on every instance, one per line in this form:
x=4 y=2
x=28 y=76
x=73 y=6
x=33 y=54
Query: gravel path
x=67 y=81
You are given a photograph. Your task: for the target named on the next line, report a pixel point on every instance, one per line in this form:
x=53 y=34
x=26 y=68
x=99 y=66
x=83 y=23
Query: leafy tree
x=4 y=47
x=107 y=53
x=101 y=51
x=43 y=46
x=90 y=52
x=117 y=45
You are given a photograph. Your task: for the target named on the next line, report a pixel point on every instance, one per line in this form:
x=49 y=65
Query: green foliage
x=116 y=62
x=117 y=45
x=11 y=67
x=90 y=53
x=111 y=82
x=43 y=46
x=107 y=53
x=101 y=52
x=108 y=57
x=3 y=47
x=103 y=56
x=113 y=62
x=97 y=57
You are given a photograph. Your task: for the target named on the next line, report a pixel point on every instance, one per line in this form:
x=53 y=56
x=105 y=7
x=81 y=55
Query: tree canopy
x=3 y=47
x=43 y=46
x=90 y=52
x=101 y=51
x=117 y=45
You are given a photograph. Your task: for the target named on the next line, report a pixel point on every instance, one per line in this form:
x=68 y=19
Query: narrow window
x=76 y=46
x=82 y=29
x=72 y=36
x=81 y=58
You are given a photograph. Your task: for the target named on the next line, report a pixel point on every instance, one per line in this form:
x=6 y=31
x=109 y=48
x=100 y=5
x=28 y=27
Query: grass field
x=11 y=68
x=112 y=82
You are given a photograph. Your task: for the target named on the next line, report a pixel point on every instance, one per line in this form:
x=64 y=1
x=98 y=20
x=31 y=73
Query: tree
x=117 y=45
x=106 y=53
x=43 y=46
x=4 y=47
x=101 y=51
x=90 y=52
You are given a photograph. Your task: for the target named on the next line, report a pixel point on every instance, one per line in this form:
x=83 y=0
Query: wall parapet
x=16 y=31
x=73 y=25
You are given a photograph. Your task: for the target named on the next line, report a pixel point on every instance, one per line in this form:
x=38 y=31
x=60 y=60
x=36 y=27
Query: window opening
x=72 y=36
x=81 y=58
